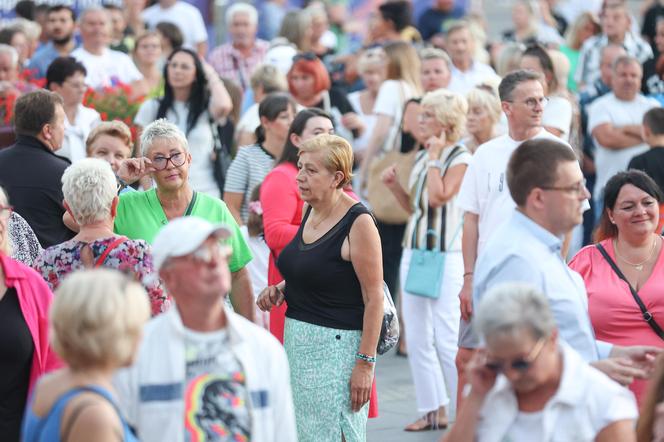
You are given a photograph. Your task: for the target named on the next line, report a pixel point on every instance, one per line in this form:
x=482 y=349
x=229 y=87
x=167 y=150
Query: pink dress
x=615 y=316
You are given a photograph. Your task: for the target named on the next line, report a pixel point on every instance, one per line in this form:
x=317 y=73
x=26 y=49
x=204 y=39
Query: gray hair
x=458 y=25
x=513 y=79
x=94 y=8
x=624 y=59
x=9 y=50
x=89 y=187
x=241 y=8
x=436 y=54
x=511 y=308
x=159 y=129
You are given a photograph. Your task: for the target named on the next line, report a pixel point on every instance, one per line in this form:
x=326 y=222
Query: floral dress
x=132 y=257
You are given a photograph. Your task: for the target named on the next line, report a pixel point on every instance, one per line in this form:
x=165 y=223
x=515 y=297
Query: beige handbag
x=383 y=203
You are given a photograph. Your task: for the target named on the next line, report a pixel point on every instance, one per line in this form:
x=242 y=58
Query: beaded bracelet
x=366 y=358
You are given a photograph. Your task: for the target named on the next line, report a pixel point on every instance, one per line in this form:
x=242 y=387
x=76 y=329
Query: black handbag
x=647 y=316
x=222 y=155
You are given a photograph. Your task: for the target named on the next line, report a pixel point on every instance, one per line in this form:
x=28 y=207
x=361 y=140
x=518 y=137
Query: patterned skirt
x=321 y=362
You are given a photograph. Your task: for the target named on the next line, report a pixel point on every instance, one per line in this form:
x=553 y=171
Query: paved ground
x=396 y=402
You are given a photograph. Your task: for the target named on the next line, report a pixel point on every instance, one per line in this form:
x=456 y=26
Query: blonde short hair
x=89 y=187
x=479 y=96
x=269 y=78
x=115 y=128
x=97 y=317
x=338 y=155
x=450 y=110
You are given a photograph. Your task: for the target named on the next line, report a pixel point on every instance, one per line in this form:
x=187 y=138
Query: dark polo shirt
x=31 y=175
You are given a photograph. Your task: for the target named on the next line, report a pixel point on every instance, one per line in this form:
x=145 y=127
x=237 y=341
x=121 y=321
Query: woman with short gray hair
x=526 y=384
x=90 y=193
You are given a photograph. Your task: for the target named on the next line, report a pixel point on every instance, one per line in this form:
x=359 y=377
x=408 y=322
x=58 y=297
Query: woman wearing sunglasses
x=527 y=385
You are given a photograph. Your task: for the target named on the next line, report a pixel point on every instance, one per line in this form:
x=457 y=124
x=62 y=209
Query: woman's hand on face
x=389 y=176
x=480 y=377
x=360 y=384
x=435 y=145
x=133 y=169
x=270 y=297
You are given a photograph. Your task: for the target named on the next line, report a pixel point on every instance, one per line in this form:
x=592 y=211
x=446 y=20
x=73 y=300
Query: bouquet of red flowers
x=116 y=102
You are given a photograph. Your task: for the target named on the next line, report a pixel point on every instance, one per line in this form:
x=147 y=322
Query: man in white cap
x=204 y=372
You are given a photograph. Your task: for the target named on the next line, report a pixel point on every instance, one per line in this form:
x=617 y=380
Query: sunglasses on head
x=309 y=56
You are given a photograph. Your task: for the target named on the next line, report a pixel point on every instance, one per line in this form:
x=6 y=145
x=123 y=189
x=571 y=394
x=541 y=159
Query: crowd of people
x=203 y=243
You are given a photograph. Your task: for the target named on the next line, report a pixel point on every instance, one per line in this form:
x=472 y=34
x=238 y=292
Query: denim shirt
x=523 y=251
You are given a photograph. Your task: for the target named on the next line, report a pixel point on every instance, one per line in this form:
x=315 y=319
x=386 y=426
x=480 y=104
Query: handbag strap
x=100 y=261
x=458 y=150
x=644 y=311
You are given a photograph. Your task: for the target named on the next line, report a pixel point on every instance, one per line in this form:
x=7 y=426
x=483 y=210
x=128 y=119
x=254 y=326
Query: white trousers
x=432 y=332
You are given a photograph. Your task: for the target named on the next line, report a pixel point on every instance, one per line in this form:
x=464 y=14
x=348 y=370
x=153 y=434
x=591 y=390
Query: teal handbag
x=425 y=272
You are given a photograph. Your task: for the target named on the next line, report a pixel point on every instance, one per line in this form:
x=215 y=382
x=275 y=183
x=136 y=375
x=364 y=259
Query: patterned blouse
x=23 y=242
x=133 y=257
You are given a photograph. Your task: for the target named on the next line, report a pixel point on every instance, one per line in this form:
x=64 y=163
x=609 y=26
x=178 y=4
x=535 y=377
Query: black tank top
x=321 y=288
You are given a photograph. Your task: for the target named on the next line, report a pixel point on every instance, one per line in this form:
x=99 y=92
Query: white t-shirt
x=250 y=120
x=369 y=121
x=463 y=81
x=484 y=188
x=527 y=426
x=609 y=109
x=558 y=114
x=200 y=140
x=586 y=402
x=73 y=145
x=103 y=69
x=185 y=16
x=390 y=101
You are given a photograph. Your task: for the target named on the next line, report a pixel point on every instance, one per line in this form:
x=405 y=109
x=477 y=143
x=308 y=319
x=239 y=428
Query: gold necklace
x=315 y=226
x=637 y=266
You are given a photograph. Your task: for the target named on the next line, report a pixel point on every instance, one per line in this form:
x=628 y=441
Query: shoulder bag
x=383 y=203
x=425 y=271
x=647 y=316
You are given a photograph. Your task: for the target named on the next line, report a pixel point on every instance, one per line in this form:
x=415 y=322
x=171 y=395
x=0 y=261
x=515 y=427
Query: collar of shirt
x=552 y=242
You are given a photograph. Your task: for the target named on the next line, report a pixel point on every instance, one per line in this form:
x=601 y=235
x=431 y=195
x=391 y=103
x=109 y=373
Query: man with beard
x=60 y=25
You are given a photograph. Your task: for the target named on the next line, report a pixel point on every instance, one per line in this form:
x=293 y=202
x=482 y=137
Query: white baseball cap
x=182 y=236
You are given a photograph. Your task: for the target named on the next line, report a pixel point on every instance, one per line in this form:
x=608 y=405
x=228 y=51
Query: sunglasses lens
x=494 y=367
x=520 y=365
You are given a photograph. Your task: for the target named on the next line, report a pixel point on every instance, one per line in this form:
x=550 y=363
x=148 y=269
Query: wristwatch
x=435 y=163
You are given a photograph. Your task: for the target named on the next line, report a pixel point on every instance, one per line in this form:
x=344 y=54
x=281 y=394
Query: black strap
x=190 y=207
x=644 y=311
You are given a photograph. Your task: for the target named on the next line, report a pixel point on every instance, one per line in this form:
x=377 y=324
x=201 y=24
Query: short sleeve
x=614 y=403
x=241 y=252
x=146 y=274
x=146 y=113
x=468 y=198
x=130 y=71
x=581 y=263
x=462 y=158
x=198 y=28
x=237 y=177
x=388 y=102
x=598 y=113
x=558 y=114
x=249 y=120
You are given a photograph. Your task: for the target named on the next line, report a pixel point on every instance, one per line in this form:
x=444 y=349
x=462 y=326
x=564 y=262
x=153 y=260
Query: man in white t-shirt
x=484 y=195
x=183 y=15
x=105 y=66
x=466 y=72
x=203 y=369
x=614 y=121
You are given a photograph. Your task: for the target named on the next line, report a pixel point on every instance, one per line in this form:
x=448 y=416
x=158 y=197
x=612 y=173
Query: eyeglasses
x=161 y=163
x=531 y=103
x=577 y=189
x=309 y=56
x=6 y=211
x=205 y=254
x=522 y=364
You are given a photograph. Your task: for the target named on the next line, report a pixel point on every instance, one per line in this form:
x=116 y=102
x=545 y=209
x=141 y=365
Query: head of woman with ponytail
x=276 y=113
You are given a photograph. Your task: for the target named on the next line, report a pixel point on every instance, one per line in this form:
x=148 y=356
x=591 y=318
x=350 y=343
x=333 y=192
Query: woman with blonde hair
x=401 y=84
x=585 y=26
x=431 y=311
x=484 y=114
x=333 y=286
x=96 y=325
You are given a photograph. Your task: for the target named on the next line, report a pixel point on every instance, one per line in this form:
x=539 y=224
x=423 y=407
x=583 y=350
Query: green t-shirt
x=140 y=216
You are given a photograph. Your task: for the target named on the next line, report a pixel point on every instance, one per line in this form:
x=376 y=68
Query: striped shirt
x=248 y=169
x=588 y=69
x=446 y=220
x=230 y=63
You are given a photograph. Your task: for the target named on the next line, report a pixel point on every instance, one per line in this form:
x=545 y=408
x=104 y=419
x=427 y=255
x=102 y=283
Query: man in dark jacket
x=30 y=172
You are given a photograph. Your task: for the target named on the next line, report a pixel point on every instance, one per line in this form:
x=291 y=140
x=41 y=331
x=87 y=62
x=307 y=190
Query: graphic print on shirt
x=216 y=397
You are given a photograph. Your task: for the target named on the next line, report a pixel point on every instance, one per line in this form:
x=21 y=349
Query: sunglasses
x=309 y=56
x=522 y=364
